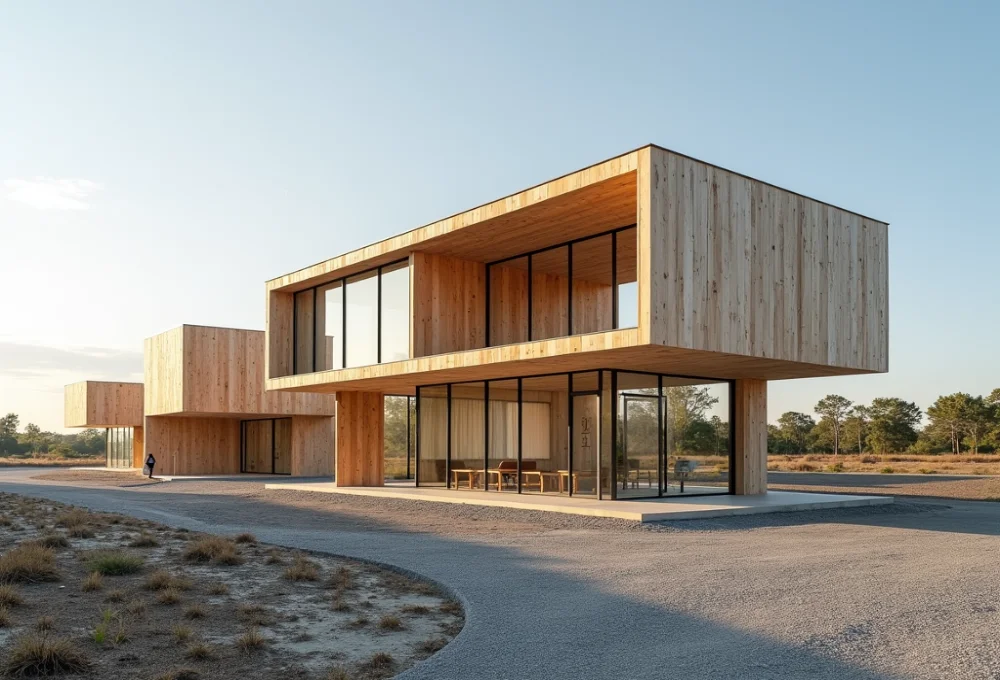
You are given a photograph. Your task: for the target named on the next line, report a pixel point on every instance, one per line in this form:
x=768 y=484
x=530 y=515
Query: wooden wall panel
x=314 y=445
x=193 y=446
x=257 y=446
x=282 y=446
x=163 y=364
x=750 y=432
x=138 y=447
x=103 y=404
x=218 y=371
x=742 y=267
x=448 y=301
x=360 y=439
x=278 y=334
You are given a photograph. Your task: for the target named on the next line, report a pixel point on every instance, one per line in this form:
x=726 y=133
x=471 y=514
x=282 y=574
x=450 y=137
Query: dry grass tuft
x=213 y=549
x=217 y=588
x=359 y=622
x=182 y=634
x=74 y=517
x=418 y=609
x=35 y=655
x=28 y=563
x=251 y=641
x=116 y=595
x=51 y=540
x=93 y=581
x=302 y=569
x=195 y=611
x=144 y=540
x=168 y=597
x=342 y=579
x=338 y=673
x=136 y=608
x=81 y=531
x=432 y=645
x=245 y=538
x=379 y=664
x=161 y=579
x=254 y=615
x=451 y=607
x=341 y=605
x=199 y=652
x=274 y=557
x=9 y=597
x=5 y=618
x=390 y=622
x=180 y=674
x=44 y=624
x=115 y=563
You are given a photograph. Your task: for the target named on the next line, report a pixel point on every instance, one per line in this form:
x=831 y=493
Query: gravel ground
x=904 y=591
x=935 y=486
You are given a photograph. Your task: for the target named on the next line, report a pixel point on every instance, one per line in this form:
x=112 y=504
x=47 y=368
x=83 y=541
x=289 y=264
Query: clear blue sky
x=160 y=160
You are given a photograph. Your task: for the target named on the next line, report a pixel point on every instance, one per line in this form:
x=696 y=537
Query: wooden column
x=138 y=447
x=750 y=433
x=359 y=439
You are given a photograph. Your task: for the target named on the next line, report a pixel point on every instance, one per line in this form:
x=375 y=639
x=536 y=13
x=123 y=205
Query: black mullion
x=295 y=333
x=732 y=442
x=408 y=433
x=243 y=451
x=447 y=458
x=314 y=327
x=273 y=454
x=600 y=430
x=343 y=323
x=520 y=429
x=614 y=279
x=489 y=303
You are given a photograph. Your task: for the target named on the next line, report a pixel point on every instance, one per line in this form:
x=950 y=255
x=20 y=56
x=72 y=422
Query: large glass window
x=330 y=326
x=432 y=436
x=395 y=323
x=266 y=446
x=362 y=319
x=397 y=425
x=358 y=321
x=584 y=286
x=608 y=434
x=503 y=435
x=468 y=435
x=118 y=447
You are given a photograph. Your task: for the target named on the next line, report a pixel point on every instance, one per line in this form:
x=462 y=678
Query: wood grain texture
x=193 y=446
x=742 y=267
x=750 y=437
x=278 y=333
x=93 y=403
x=360 y=439
x=313 y=446
x=218 y=371
x=138 y=446
x=448 y=302
x=581 y=203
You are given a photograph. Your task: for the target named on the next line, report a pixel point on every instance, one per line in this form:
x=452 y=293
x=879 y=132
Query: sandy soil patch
x=177 y=604
x=966 y=489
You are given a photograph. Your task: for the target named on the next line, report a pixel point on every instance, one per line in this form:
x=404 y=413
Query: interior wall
x=193 y=446
x=448 y=303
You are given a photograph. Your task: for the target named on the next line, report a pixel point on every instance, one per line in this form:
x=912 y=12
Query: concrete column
x=359 y=439
x=750 y=433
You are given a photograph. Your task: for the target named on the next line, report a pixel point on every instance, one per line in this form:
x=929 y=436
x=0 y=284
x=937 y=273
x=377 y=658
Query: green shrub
x=836 y=467
x=115 y=563
x=887 y=470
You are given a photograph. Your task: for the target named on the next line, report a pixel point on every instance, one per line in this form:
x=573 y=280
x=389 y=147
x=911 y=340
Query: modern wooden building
x=608 y=334
x=202 y=409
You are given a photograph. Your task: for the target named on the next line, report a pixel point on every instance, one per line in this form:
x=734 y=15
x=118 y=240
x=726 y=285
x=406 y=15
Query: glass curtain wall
x=266 y=446
x=118 y=447
x=398 y=441
x=360 y=320
x=602 y=434
x=584 y=286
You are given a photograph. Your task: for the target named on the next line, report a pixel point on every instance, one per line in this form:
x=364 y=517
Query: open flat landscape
x=902 y=591
x=97 y=595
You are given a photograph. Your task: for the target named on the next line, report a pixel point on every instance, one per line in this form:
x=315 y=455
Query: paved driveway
x=892 y=592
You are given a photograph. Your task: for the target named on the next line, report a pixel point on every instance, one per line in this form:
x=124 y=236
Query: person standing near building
x=150 y=462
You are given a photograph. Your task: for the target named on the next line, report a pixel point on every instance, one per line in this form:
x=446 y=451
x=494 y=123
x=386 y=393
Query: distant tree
x=821 y=437
x=32 y=437
x=948 y=416
x=978 y=421
x=8 y=433
x=893 y=425
x=721 y=439
x=834 y=409
x=795 y=427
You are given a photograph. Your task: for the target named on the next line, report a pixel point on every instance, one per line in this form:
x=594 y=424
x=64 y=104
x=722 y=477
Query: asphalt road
x=904 y=591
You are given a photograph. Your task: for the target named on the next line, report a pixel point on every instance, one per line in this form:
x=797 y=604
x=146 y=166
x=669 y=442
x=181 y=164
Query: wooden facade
x=93 y=403
x=734 y=278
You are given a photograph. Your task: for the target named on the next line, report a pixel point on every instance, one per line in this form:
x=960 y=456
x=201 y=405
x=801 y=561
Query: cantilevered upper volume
x=650 y=261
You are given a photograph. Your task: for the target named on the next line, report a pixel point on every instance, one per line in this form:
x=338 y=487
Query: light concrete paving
x=908 y=590
x=645 y=510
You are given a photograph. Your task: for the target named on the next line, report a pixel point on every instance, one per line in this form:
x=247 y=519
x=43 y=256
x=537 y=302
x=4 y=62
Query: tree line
x=956 y=423
x=35 y=442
